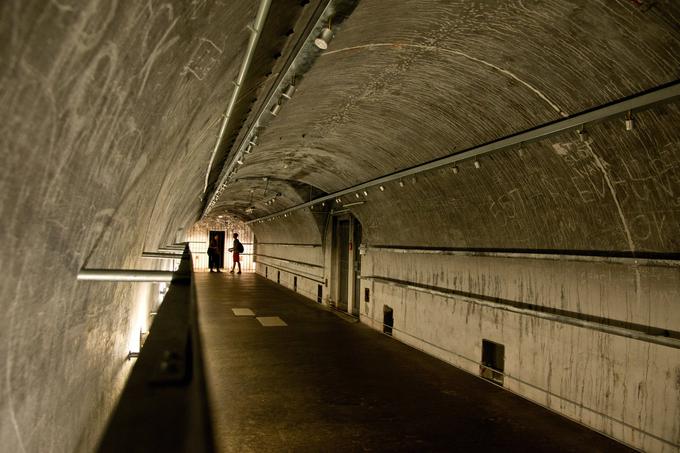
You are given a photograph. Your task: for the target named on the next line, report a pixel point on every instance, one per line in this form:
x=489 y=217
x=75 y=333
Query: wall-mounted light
x=401 y=183
x=249 y=149
x=240 y=161
x=454 y=169
x=324 y=38
x=477 y=164
x=275 y=109
x=365 y=193
x=382 y=188
x=356 y=195
x=253 y=140
x=142 y=338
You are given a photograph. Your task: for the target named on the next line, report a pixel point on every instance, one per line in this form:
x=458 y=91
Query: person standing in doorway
x=214 y=254
x=236 y=251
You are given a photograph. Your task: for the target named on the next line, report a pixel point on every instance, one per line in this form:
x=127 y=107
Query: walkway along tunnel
x=496 y=172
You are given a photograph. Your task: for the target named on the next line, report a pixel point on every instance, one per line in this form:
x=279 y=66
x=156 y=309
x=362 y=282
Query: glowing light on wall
x=146 y=294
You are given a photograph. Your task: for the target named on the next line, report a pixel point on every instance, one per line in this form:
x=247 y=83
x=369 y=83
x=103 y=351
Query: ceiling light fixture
x=275 y=109
x=365 y=193
x=253 y=140
x=630 y=122
x=582 y=134
x=382 y=188
x=454 y=169
x=401 y=183
x=324 y=38
x=477 y=164
x=288 y=93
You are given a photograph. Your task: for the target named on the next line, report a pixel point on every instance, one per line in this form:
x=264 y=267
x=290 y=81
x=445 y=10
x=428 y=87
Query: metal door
x=356 y=303
x=343 y=263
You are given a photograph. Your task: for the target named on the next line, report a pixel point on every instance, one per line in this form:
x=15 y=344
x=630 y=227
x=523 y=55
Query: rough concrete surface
x=110 y=111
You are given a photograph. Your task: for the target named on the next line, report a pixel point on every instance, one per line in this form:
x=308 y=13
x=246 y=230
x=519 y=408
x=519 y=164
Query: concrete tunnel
x=495 y=184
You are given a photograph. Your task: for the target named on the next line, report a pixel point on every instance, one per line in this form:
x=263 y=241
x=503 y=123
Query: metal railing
x=164 y=405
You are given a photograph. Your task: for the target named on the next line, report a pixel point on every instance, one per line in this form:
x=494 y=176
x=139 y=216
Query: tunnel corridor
x=450 y=204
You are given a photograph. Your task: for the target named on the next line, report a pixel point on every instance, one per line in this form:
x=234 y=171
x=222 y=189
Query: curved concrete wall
x=108 y=116
x=110 y=113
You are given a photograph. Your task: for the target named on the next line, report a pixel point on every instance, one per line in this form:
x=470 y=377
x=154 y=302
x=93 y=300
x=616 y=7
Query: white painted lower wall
x=624 y=387
x=284 y=263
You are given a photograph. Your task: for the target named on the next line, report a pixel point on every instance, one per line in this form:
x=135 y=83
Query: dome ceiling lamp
x=324 y=38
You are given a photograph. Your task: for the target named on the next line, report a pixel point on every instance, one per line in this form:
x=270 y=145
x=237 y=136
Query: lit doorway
x=220 y=244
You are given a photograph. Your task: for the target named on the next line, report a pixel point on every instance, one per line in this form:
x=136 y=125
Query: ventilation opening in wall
x=367 y=295
x=388 y=320
x=493 y=361
x=278 y=277
x=266 y=272
x=319 y=294
x=295 y=284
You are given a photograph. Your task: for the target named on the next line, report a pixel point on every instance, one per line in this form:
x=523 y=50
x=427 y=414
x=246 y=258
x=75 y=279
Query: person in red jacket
x=236 y=251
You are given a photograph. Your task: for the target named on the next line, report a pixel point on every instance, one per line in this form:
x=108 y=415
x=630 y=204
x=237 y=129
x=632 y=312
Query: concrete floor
x=324 y=384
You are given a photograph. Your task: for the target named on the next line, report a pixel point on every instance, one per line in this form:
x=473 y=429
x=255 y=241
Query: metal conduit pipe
x=634 y=103
x=245 y=65
x=159 y=255
x=284 y=75
x=124 y=275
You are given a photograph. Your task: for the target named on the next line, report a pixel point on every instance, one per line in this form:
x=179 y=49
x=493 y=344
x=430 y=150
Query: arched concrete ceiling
x=255 y=193
x=404 y=83
x=109 y=113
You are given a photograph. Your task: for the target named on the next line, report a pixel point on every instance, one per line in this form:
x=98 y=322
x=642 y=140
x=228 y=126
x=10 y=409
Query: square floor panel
x=243 y=312
x=271 y=321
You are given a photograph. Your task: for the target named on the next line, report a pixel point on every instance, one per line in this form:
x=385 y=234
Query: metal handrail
x=164 y=405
